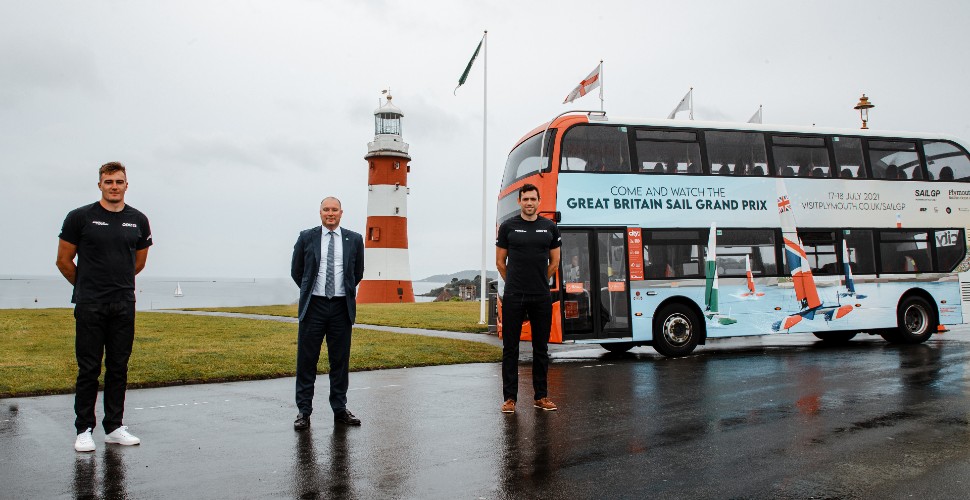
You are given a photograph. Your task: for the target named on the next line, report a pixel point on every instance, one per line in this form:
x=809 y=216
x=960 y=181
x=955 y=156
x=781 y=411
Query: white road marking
x=173 y=405
x=368 y=387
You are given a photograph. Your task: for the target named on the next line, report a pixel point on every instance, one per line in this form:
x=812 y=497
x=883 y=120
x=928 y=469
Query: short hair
x=110 y=168
x=529 y=187
x=341 y=205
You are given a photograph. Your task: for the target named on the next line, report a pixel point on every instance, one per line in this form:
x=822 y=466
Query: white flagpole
x=484 y=278
x=601 y=85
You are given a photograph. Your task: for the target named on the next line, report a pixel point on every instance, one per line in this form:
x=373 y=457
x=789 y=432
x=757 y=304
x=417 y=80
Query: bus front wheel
x=676 y=331
x=915 y=322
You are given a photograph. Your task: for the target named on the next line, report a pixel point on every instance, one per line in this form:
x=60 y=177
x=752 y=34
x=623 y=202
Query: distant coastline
x=461 y=275
x=39 y=291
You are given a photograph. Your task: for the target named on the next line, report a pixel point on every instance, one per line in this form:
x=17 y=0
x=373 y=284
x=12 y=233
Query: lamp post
x=863 y=108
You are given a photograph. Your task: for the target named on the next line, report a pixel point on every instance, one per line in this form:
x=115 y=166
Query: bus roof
x=572 y=117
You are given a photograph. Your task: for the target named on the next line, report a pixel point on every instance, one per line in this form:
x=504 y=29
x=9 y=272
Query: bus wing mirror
x=556 y=216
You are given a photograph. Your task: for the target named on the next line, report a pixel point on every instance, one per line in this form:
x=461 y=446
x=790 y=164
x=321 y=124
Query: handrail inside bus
x=542 y=141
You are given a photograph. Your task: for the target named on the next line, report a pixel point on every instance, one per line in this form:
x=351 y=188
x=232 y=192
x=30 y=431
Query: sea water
x=33 y=292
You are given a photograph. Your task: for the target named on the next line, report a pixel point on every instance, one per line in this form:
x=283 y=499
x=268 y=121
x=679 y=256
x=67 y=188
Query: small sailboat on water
x=751 y=293
x=178 y=289
x=847 y=272
x=711 y=311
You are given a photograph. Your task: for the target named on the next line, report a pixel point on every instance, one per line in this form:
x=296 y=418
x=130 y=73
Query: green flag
x=464 y=76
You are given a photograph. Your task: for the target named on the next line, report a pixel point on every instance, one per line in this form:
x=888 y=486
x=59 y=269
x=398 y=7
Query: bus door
x=595 y=292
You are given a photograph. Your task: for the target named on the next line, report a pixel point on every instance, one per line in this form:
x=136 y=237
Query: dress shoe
x=302 y=422
x=346 y=418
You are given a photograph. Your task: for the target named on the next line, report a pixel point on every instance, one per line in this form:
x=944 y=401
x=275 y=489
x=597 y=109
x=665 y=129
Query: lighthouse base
x=384 y=292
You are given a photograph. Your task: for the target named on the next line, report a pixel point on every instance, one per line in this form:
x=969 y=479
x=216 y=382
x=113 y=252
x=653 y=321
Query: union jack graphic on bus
x=784 y=204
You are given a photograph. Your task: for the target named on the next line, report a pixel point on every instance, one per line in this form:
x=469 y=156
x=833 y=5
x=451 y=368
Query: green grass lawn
x=450 y=316
x=37 y=350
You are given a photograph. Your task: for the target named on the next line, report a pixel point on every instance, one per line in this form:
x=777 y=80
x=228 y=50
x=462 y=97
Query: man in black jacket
x=328 y=263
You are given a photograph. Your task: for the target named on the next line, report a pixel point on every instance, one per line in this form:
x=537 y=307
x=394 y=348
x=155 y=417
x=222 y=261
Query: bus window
x=668 y=152
x=801 y=156
x=951 y=247
x=848 y=157
x=894 y=160
x=820 y=248
x=734 y=244
x=736 y=153
x=862 y=259
x=577 y=301
x=614 y=296
x=508 y=207
x=595 y=148
x=673 y=253
x=524 y=160
x=946 y=162
x=904 y=252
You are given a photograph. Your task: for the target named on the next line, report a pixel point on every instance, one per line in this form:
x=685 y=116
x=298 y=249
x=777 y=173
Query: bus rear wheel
x=676 y=331
x=915 y=322
x=834 y=337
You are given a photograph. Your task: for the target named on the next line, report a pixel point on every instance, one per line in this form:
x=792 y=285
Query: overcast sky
x=235 y=118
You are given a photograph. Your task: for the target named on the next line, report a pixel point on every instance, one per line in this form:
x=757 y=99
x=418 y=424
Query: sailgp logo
x=99 y=223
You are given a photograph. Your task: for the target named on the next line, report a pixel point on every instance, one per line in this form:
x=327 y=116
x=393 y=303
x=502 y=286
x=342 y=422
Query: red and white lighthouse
x=387 y=269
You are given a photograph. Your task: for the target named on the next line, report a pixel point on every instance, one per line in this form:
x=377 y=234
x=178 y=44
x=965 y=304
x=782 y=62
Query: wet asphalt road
x=773 y=417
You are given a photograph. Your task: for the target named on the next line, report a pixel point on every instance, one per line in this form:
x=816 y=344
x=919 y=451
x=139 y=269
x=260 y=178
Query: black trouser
x=516 y=308
x=324 y=318
x=102 y=330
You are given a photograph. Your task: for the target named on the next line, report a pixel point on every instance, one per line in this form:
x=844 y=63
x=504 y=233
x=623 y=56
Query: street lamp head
x=863 y=107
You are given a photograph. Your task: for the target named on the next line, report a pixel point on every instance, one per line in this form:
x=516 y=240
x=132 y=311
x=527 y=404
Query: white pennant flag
x=591 y=82
x=684 y=105
x=756 y=117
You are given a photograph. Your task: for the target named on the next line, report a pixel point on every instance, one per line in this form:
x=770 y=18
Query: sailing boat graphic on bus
x=801 y=272
x=751 y=293
x=711 y=311
x=847 y=271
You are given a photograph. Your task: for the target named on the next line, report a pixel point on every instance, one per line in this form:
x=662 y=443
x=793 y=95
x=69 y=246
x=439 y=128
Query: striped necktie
x=329 y=287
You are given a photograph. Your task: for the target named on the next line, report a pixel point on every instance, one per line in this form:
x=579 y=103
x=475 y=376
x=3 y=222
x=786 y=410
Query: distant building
x=444 y=296
x=467 y=292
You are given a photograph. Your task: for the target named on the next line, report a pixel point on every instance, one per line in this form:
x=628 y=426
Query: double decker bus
x=676 y=232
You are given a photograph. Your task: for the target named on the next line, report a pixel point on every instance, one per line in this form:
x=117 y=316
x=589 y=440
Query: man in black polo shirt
x=527 y=255
x=110 y=240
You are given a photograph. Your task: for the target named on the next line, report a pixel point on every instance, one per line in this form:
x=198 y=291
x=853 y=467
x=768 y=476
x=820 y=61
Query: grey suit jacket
x=306 y=266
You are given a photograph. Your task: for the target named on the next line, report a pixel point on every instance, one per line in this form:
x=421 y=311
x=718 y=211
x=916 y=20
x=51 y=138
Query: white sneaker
x=121 y=436
x=84 y=441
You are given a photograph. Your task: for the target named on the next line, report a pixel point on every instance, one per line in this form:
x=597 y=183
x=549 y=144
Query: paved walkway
x=525 y=349
x=475 y=337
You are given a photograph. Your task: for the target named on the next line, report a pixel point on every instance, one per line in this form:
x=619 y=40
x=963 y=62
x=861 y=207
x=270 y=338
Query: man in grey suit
x=328 y=263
